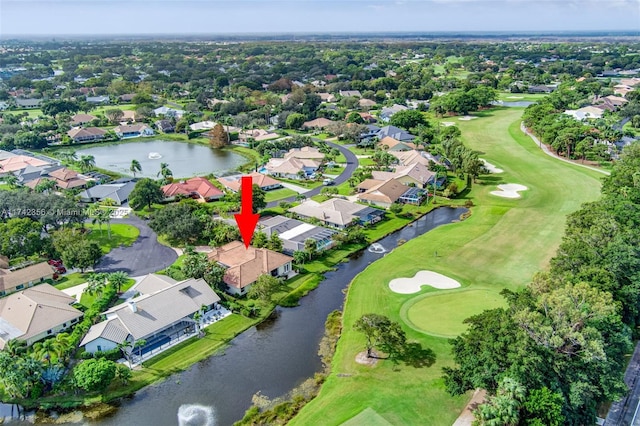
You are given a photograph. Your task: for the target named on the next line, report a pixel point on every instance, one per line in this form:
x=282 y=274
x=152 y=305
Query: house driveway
x=144 y=256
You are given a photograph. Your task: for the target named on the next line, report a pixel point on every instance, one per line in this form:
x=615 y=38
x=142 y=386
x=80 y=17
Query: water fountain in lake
x=154 y=156
x=377 y=248
x=195 y=415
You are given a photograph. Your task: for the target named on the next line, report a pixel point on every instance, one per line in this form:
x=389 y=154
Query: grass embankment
x=121 y=234
x=501 y=245
x=174 y=360
x=278 y=194
x=70 y=280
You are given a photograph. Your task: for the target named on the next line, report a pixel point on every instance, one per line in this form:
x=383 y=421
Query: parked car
x=328 y=182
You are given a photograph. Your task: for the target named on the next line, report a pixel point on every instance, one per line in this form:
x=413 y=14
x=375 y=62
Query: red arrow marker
x=247 y=220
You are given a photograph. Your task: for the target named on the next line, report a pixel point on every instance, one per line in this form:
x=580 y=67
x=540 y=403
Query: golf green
x=442 y=314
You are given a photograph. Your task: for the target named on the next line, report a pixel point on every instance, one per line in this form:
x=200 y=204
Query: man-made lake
x=184 y=159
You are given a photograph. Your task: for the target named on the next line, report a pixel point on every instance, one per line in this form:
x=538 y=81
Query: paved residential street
x=351 y=166
x=144 y=256
x=626 y=412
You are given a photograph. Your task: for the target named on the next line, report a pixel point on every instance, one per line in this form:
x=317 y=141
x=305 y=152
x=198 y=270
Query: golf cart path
x=549 y=152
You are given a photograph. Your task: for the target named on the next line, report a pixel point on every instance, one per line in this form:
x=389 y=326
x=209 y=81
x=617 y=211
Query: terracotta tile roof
x=197 y=185
x=86 y=132
x=20 y=162
x=246 y=265
x=259 y=179
x=82 y=118
x=33 y=311
x=306 y=152
x=318 y=122
x=290 y=165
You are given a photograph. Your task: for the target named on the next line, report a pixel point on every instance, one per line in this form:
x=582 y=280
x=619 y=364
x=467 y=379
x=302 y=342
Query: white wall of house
x=100 y=344
x=285 y=269
x=45 y=334
x=238 y=291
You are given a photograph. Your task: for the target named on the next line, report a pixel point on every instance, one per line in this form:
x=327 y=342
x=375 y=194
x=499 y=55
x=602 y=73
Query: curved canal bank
x=272 y=358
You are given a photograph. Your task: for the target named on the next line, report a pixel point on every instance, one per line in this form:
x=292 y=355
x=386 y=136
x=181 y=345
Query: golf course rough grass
x=501 y=245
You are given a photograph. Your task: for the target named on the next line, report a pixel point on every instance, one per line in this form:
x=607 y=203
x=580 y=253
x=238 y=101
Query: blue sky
x=38 y=17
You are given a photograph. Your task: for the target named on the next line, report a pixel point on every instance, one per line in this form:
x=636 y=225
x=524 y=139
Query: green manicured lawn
x=70 y=280
x=501 y=245
x=278 y=194
x=5 y=187
x=441 y=314
x=121 y=234
x=515 y=97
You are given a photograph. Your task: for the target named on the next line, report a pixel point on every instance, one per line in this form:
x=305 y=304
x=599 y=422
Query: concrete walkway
x=296 y=188
x=466 y=418
x=75 y=291
x=552 y=154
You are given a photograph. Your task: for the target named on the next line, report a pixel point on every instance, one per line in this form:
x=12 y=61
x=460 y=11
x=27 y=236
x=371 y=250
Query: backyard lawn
x=501 y=245
x=121 y=234
x=278 y=194
x=70 y=280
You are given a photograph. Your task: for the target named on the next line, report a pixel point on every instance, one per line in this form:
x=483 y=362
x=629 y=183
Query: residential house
x=81 y=119
x=371 y=132
x=390 y=144
x=118 y=192
x=338 y=213
x=86 y=134
x=367 y=118
x=622 y=89
x=266 y=183
x=396 y=133
x=292 y=168
x=584 y=113
x=127 y=97
x=202 y=125
x=295 y=233
x=407 y=158
x=366 y=103
x=541 y=89
x=415 y=174
x=36 y=313
x=14 y=280
x=306 y=152
x=133 y=130
x=349 y=93
x=98 y=99
x=158 y=317
x=29 y=103
x=391 y=191
x=165 y=126
x=327 y=97
x=68 y=179
x=168 y=112
x=244 y=265
x=257 y=135
x=128 y=116
x=631 y=82
x=19 y=162
x=198 y=187
x=387 y=112
x=319 y=123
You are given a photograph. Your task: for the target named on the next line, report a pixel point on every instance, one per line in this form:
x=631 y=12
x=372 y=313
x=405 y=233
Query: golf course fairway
x=502 y=244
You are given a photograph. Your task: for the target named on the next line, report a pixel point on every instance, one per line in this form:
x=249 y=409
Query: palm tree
x=45 y=185
x=87 y=162
x=15 y=347
x=105 y=213
x=197 y=318
x=11 y=180
x=126 y=348
x=135 y=167
x=96 y=283
x=68 y=156
x=118 y=279
x=45 y=349
x=62 y=345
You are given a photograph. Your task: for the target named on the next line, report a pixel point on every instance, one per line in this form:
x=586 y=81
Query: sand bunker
x=448 y=123
x=491 y=167
x=412 y=285
x=467 y=118
x=515 y=97
x=509 y=190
